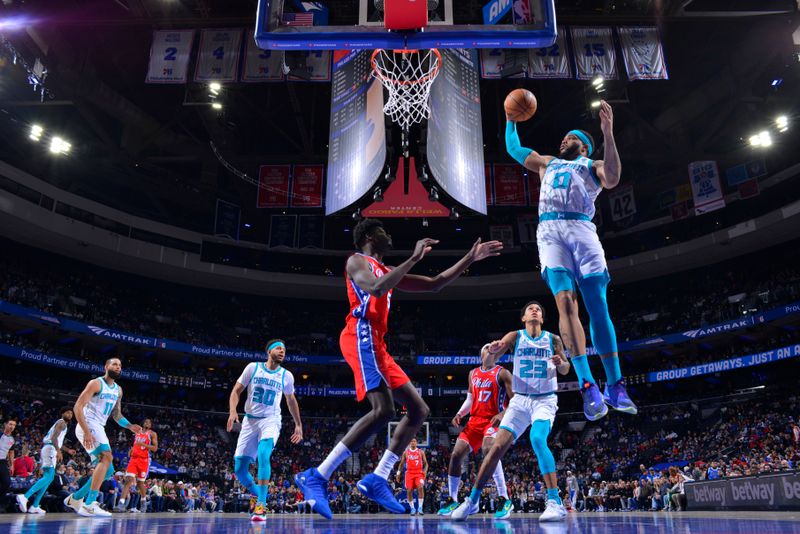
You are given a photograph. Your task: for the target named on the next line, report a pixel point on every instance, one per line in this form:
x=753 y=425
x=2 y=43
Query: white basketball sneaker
x=93 y=510
x=22 y=502
x=465 y=510
x=553 y=512
x=36 y=510
x=75 y=504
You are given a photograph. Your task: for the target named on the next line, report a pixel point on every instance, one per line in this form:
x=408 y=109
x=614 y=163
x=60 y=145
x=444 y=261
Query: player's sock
x=453 y=484
x=581 y=365
x=83 y=490
x=613 y=372
x=335 y=458
x=261 y=492
x=475 y=495
x=384 y=468
x=552 y=495
x=91 y=496
x=241 y=468
x=500 y=480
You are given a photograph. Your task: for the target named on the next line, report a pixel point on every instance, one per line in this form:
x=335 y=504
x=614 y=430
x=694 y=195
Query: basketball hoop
x=407 y=75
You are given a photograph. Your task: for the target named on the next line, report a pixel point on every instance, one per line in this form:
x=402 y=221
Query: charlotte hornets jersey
x=56 y=439
x=265 y=389
x=534 y=370
x=569 y=187
x=102 y=403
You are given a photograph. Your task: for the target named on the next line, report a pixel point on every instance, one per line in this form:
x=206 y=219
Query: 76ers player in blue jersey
x=571 y=255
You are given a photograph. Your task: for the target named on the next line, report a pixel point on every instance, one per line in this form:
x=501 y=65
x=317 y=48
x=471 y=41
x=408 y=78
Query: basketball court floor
x=586 y=523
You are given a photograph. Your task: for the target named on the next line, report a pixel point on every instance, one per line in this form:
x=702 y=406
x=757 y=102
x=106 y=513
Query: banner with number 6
x=218 y=58
x=169 y=56
x=595 y=54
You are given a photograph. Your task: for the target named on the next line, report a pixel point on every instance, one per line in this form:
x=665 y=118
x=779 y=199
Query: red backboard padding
x=405 y=14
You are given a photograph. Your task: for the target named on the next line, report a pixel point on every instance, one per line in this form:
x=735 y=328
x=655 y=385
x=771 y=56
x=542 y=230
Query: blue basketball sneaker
x=593 y=406
x=315 y=490
x=505 y=510
x=617 y=397
x=377 y=489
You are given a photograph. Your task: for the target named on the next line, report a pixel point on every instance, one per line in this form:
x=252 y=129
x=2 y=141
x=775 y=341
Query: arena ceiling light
x=59 y=146
x=595 y=104
x=214 y=88
x=763 y=139
x=216 y=105
x=782 y=123
x=36 y=133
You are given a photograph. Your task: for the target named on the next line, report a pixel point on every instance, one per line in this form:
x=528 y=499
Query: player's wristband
x=513 y=145
x=124 y=423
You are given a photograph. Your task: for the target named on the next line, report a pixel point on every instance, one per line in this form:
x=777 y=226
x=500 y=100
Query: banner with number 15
x=218 y=58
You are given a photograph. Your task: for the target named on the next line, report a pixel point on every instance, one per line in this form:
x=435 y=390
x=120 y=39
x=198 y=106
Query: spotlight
x=454 y=215
x=755 y=140
x=598 y=82
x=766 y=139
x=59 y=146
x=433 y=195
x=216 y=105
x=776 y=82
x=595 y=104
x=782 y=123
x=377 y=196
x=36 y=132
x=214 y=88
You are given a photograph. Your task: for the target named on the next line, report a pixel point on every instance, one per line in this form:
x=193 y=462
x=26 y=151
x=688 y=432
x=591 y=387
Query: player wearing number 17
x=266 y=383
x=102 y=397
x=571 y=255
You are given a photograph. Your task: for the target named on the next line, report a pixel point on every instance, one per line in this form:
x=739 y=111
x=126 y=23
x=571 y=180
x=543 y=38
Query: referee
x=6 y=455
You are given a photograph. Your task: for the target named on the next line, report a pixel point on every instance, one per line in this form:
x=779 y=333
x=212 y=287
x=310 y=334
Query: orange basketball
x=520 y=105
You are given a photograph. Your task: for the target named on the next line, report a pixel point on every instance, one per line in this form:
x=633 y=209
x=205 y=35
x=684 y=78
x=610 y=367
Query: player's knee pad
x=539 y=432
x=265 y=447
x=601 y=329
x=558 y=280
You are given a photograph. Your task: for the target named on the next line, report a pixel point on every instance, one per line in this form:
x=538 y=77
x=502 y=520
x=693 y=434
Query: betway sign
x=773 y=492
x=495 y=10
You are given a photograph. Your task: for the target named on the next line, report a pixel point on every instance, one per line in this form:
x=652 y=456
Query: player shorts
x=139 y=468
x=477 y=428
x=414 y=480
x=365 y=352
x=572 y=246
x=48 y=455
x=523 y=410
x=100 y=438
x=253 y=431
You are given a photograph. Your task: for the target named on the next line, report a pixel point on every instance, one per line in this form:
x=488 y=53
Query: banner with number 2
x=169 y=56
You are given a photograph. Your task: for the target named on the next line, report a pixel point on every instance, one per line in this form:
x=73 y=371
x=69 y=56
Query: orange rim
x=424 y=79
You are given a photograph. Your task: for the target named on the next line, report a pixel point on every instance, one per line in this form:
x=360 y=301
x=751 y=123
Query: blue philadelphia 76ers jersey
x=569 y=187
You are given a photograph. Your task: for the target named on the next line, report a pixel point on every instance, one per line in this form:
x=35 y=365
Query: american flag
x=298 y=19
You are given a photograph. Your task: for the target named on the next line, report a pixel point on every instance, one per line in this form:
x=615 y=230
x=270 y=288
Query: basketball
x=520 y=105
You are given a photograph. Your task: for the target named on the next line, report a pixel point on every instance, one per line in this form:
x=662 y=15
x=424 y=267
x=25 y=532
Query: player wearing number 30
x=571 y=254
x=100 y=398
x=538 y=355
x=266 y=383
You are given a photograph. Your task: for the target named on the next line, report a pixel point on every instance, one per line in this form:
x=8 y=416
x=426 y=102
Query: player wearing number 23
x=266 y=383
x=571 y=255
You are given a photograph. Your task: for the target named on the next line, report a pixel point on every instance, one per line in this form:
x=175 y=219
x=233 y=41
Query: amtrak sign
x=495 y=10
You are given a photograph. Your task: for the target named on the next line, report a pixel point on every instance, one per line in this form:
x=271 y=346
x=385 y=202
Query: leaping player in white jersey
x=571 y=254
x=100 y=398
x=50 y=456
x=538 y=356
x=266 y=383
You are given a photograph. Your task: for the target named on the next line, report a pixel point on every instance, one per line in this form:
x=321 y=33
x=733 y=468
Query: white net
x=407 y=75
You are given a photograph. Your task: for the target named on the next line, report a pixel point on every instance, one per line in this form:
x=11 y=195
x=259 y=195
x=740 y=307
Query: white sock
x=337 y=456
x=500 y=480
x=384 y=468
x=453 y=484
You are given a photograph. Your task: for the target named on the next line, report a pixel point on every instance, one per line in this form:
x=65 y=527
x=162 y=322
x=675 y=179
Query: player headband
x=585 y=140
x=275 y=345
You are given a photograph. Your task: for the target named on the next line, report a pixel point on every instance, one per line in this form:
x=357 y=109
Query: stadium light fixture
x=214 y=88
x=595 y=104
x=216 y=105
x=766 y=139
x=59 y=146
x=782 y=123
x=36 y=132
x=598 y=82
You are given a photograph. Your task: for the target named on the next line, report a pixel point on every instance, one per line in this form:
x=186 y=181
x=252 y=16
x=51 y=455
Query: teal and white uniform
x=262 y=419
x=534 y=383
x=51 y=442
x=96 y=413
x=566 y=237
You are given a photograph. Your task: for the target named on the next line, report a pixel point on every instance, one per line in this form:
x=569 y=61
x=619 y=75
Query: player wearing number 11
x=266 y=383
x=571 y=255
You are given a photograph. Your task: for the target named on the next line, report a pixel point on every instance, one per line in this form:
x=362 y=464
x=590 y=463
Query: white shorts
x=48 y=456
x=100 y=438
x=570 y=245
x=253 y=431
x=522 y=411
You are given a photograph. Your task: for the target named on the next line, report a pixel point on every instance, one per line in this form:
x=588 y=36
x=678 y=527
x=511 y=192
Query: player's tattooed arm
x=116 y=413
x=609 y=168
x=559 y=358
x=358 y=270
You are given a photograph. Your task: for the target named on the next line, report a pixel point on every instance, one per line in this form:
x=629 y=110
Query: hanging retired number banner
x=552 y=61
x=261 y=65
x=307 y=186
x=318 y=63
x=642 y=52
x=273 y=186
x=218 y=58
x=594 y=53
x=494 y=60
x=509 y=185
x=169 y=56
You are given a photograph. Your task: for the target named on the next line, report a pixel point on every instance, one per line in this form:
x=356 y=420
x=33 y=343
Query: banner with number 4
x=218 y=58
